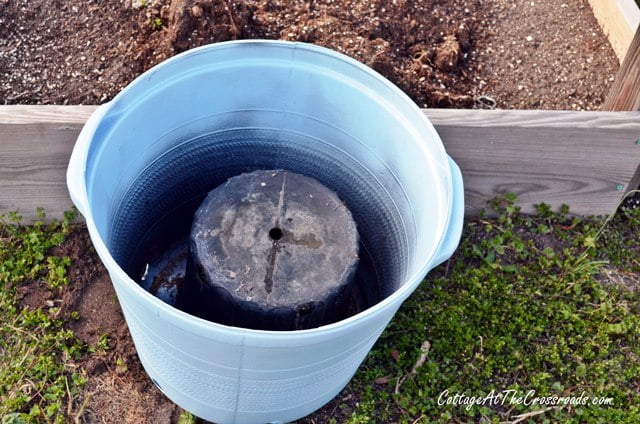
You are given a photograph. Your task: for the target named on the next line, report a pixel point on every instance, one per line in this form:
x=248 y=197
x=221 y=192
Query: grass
x=38 y=380
x=528 y=305
x=539 y=306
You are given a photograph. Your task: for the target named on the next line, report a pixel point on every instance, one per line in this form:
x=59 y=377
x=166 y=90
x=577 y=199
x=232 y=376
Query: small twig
x=424 y=351
x=446 y=270
x=522 y=417
x=26 y=333
x=78 y=417
x=17 y=96
x=69 y=397
x=233 y=22
x=382 y=380
x=418 y=419
x=507 y=413
x=493 y=225
x=399 y=383
x=335 y=408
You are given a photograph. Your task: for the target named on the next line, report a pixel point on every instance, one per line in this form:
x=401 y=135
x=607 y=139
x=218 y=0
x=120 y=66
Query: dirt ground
x=547 y=54
x=118 y=390
x=544 y=54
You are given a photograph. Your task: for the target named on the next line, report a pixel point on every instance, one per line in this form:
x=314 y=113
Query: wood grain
x=35 y=146
x=556 y=157
x=584 y=159
x=618 y=20
x=56 y=116
x=625 y=93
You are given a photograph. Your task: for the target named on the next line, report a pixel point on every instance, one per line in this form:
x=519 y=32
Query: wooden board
x=625 y=93
x=35 y=145
x=619 y=20
x=584 y=159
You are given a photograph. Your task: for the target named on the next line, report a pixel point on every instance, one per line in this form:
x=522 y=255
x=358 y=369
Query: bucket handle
x=78 y=162
x=451 y=238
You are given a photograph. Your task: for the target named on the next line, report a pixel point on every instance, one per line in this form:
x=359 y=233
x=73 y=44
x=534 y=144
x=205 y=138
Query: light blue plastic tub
x=216 y=110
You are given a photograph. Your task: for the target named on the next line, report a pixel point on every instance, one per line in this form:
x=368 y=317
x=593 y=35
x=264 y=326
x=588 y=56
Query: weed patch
x=38 y=378
x=524 y=308
x=533 y=319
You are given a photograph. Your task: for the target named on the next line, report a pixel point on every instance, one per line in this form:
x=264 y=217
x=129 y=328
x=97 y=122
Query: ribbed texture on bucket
x=181 y=178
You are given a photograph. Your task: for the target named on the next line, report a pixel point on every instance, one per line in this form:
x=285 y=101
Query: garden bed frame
x=618 y=20
x=587 y=160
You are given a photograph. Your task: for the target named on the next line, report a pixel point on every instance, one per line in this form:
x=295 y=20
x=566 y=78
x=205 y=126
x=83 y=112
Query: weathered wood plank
x=583 y=159
x=56 y=116
x=625 y=93
x=619 y=20
x=578 y=158
x=35 y=146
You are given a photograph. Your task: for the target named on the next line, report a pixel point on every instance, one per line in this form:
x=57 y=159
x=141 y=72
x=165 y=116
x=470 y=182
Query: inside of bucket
x=150 y=227
x=190 y=124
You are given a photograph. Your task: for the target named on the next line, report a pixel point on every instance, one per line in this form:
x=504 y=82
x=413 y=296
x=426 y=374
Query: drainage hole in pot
x=275 y=233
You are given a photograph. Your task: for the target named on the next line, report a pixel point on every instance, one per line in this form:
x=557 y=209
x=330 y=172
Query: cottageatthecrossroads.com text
x=515 y=397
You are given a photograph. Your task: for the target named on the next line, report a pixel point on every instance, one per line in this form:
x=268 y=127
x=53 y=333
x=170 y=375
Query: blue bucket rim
x=201 y=326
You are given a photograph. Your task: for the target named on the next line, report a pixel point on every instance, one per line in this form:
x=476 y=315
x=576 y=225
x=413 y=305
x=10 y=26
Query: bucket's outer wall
x=233 y=375
x=245 y=377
